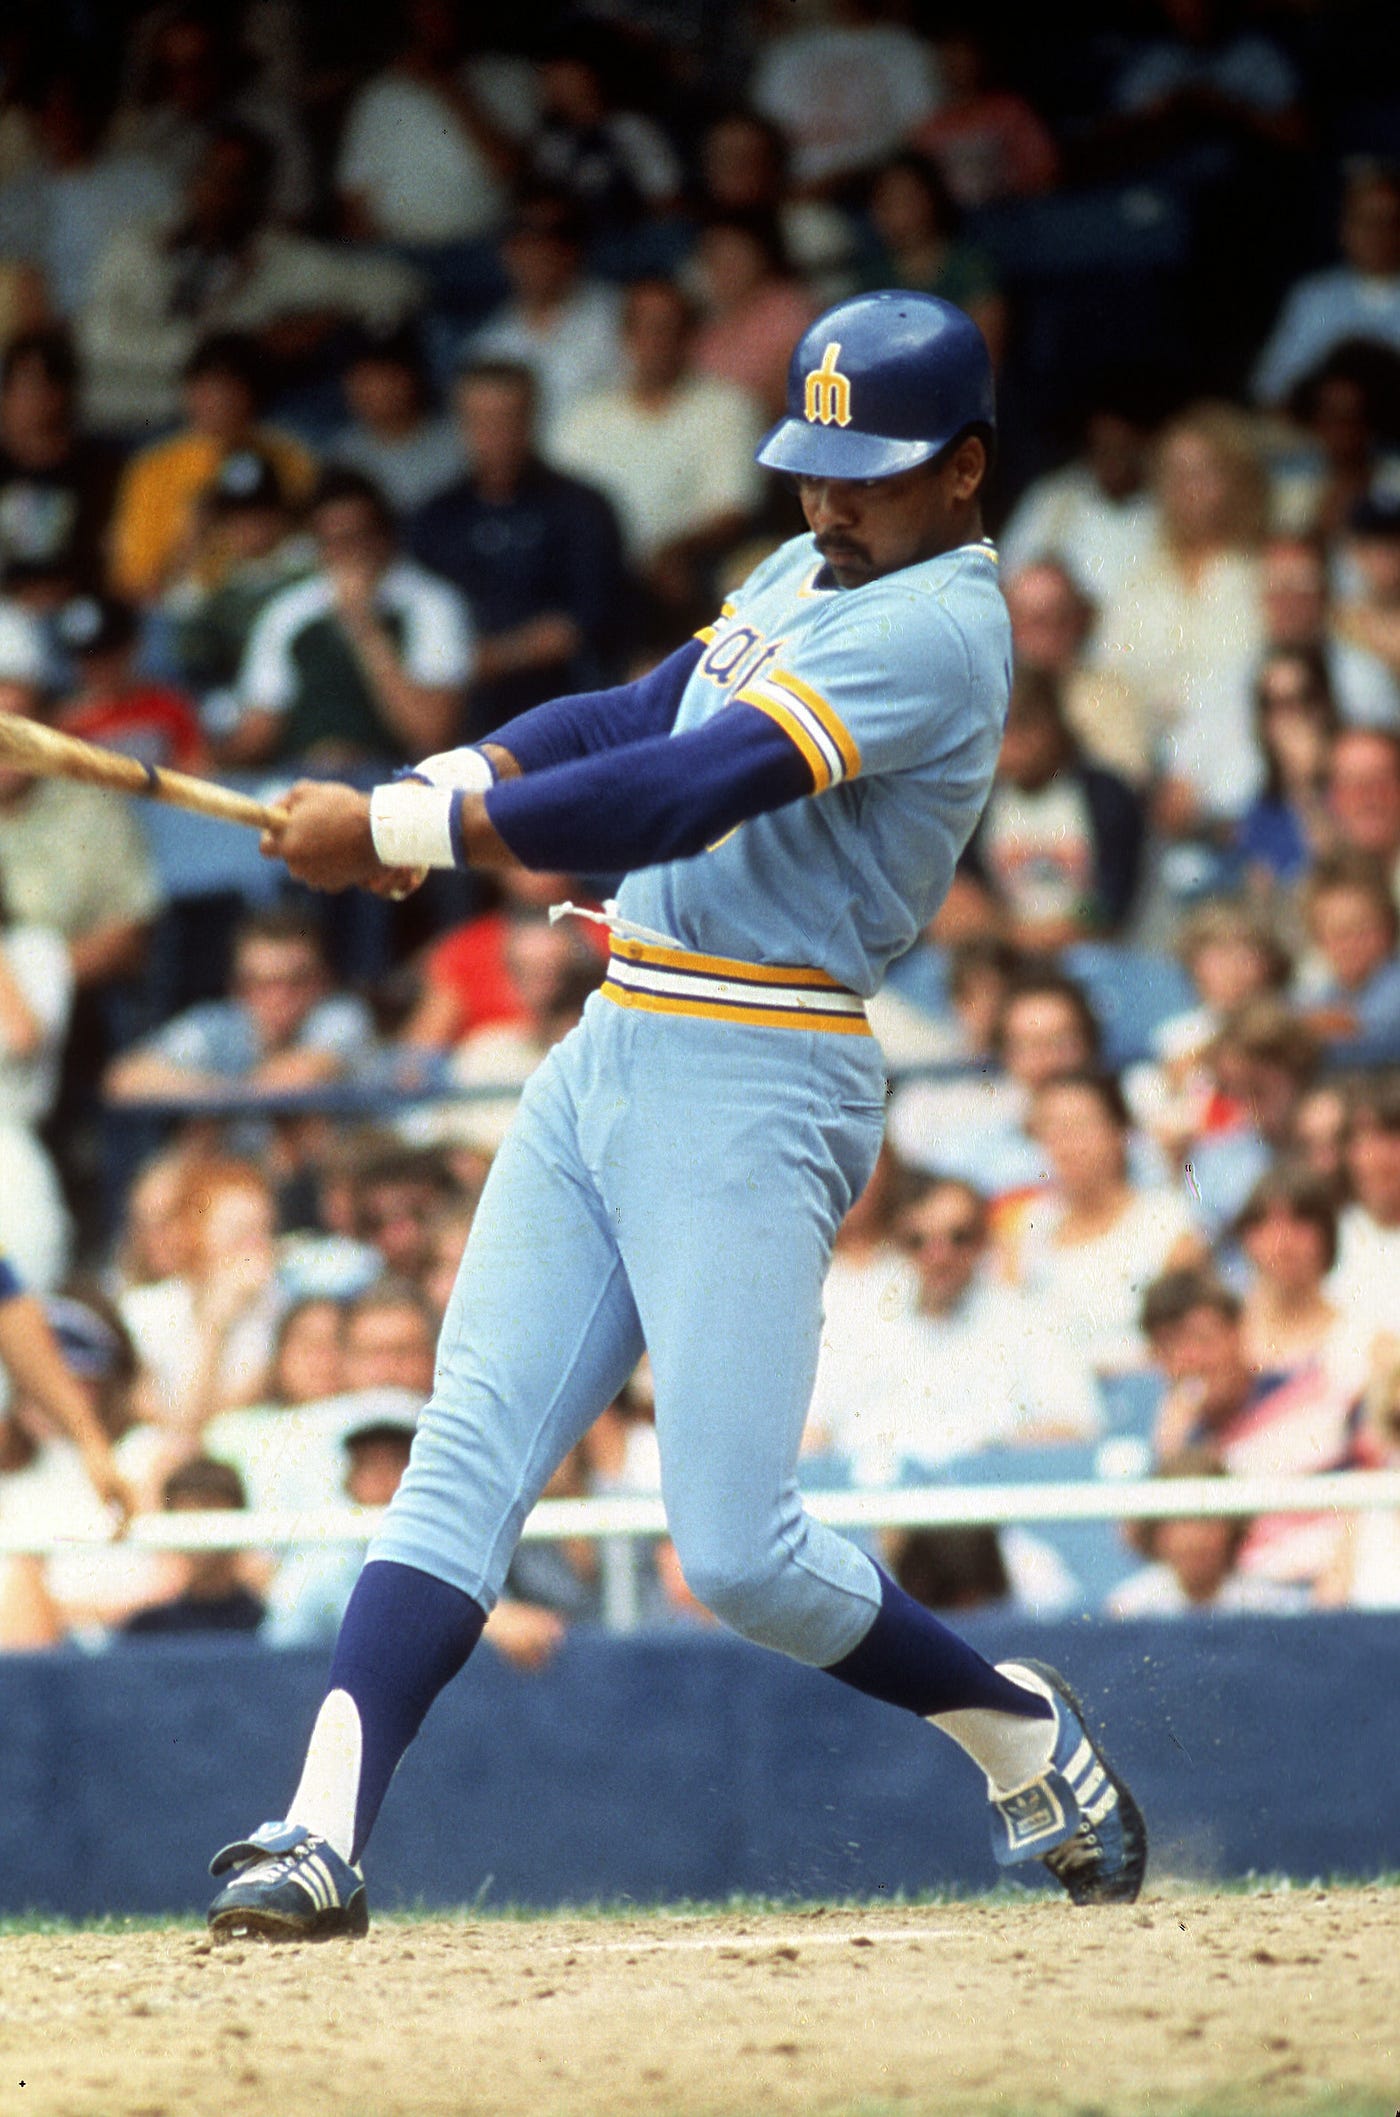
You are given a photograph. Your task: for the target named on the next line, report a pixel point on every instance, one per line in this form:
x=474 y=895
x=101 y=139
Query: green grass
x=613 y=1909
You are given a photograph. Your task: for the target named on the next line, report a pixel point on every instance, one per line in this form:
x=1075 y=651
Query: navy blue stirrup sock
x=909 y=1658
x=404 y=1636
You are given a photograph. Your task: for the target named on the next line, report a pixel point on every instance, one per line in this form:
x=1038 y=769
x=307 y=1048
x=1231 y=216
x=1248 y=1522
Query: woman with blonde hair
x=1186 y=624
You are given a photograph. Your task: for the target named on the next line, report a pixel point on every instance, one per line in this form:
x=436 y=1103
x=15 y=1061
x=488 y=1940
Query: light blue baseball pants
x=675 y=1183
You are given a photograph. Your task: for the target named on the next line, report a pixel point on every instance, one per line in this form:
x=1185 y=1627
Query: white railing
x=616 y=1522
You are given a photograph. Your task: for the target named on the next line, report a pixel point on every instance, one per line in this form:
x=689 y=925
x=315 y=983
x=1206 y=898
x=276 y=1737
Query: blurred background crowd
x=367 y=378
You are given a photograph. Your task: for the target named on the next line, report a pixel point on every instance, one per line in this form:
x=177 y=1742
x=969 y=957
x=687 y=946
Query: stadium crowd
x=365 y=381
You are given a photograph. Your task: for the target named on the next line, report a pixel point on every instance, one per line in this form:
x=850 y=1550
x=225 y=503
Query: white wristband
x=466 y=770
x=411 y=824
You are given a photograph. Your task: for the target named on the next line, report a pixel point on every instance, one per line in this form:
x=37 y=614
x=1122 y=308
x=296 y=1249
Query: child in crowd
x=213 y=1595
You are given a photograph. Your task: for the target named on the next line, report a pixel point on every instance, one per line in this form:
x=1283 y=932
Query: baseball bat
x=30 y=746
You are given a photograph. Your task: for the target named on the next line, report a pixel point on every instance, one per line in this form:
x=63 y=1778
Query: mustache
x=846 y=546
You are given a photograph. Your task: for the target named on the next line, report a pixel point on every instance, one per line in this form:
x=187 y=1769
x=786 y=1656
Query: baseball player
x=787 y=796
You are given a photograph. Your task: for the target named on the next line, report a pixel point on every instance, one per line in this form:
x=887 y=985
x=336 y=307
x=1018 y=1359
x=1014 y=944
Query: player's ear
x=968 y=465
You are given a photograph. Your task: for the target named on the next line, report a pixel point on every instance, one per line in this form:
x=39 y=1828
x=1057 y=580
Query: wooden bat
x=30 y=746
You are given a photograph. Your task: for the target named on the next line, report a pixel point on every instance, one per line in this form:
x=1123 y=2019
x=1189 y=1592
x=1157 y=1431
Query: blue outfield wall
x=691 y=1765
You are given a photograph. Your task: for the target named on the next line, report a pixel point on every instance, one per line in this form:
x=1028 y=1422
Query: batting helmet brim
x=808 y=450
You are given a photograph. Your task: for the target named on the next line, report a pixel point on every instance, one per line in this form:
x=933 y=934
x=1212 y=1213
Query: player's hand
x=396 y=883
x=322 y=831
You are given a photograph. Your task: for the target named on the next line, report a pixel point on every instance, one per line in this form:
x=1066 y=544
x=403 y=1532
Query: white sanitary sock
x=1010 y=1748
x=324 y=1803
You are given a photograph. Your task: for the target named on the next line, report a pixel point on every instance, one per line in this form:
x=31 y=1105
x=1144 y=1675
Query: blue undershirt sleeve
x=666 y=797
x=585 y=722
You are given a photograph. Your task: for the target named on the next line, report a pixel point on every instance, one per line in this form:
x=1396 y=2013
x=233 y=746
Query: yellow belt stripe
x=719 y=966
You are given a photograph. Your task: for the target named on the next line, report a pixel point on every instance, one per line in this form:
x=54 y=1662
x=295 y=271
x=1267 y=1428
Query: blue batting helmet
x=880 y=384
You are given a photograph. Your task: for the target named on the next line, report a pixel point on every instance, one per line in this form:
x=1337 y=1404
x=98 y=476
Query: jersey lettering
x=728 y=651
x=738 y=658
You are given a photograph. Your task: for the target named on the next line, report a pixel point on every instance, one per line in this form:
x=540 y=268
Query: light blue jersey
x=896 y=694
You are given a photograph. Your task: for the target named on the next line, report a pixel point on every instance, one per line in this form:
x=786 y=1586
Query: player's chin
x=850 y=569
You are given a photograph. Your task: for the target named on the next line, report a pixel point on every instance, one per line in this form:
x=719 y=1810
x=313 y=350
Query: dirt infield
x=1277 y=2002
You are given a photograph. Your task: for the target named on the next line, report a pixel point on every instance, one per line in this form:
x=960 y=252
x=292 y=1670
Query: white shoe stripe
x=308 y=1877
x=323 y=1877
x=1106 y=1803
x=1089 y=1786
x=1079 y=1763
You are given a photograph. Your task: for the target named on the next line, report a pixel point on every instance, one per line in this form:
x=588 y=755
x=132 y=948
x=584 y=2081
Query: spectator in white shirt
x=204 y=1336
x=424 y=159
x=559 y=324
x=222 y=266
x=1096 y=515
x=1365 y=1281
x=967 y=1364
x=847 y=90
x=1357 y=299
x=672 y=449
x=62 y=213
x=368 y=658
x=396 y=435
x=1090 y=1245
x=36 y=996
x=1186 y=623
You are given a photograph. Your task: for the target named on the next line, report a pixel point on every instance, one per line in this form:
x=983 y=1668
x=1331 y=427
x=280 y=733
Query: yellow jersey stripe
x=792 y=727
x=710 y=633
x=825 y=713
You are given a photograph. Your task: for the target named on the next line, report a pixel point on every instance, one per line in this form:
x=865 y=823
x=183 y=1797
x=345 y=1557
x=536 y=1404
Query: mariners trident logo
x=828 y=401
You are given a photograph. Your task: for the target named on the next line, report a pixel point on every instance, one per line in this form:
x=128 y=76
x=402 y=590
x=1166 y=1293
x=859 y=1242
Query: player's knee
x=743 y=1589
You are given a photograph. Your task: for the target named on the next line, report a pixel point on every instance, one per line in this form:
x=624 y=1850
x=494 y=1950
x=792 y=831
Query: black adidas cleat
x=288 y=1886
